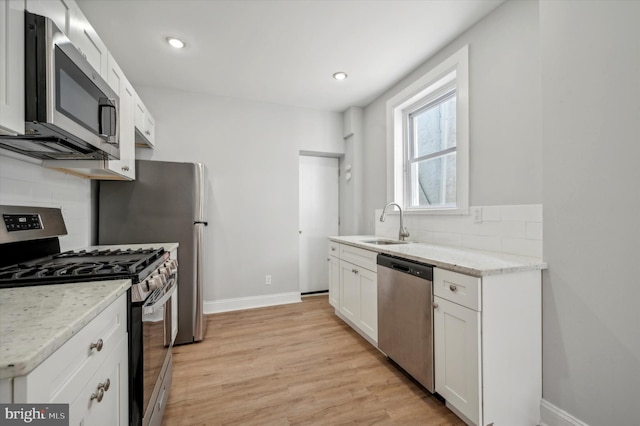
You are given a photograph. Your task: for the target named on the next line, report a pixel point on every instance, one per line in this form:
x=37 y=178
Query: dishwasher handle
x=401 y=268
x=420 y=270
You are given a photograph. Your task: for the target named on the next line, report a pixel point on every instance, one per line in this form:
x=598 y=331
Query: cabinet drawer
x=360 y=257
x=61 y=376
x=334 y=249
x=458 y=288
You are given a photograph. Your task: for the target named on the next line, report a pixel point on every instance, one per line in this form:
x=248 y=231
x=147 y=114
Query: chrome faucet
x=403 y=231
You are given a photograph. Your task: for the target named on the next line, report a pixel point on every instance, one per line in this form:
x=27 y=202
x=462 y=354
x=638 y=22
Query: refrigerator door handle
x=200 y=222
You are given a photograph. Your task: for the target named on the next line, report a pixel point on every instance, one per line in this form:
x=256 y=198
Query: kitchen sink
x=385 y=242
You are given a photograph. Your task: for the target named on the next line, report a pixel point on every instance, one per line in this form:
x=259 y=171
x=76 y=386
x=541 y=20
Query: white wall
x=23 y=183
x=591 y=130
x=251 y=151
x=505 y=125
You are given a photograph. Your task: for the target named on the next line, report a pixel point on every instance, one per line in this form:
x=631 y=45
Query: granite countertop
x=471 y=262
x=35 y=321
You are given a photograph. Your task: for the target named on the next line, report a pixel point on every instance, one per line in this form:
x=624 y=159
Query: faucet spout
x=403 y=233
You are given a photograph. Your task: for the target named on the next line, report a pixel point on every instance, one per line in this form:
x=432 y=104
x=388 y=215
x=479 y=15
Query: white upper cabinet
x=145 y=125
x=12 y=67
x=86 y=40
x=59 y=11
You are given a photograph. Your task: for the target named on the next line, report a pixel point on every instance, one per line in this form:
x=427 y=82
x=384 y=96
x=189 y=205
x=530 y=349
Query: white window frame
x=453 y=70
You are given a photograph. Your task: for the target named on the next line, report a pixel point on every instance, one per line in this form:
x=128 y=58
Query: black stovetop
x=83 y=265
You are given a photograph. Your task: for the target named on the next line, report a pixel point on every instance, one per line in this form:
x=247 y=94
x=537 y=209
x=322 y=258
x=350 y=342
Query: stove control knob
x=153 y=283
x=144 y=285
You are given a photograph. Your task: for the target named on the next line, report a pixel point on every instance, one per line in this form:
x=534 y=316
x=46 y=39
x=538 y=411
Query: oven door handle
x=170 y=289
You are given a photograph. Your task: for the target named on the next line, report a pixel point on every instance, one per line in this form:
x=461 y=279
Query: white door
x=318 y=219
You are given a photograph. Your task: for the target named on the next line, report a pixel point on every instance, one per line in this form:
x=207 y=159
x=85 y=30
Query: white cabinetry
x=89 y=372
x=145 y=125
x=12 y=67
x=487 y=344
x=59 y=11
x=86 y=40
x=333 y=260
x=69 y=18
x=358 y=290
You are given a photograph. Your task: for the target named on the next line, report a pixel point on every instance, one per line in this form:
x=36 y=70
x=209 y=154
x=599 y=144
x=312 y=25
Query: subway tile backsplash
x=511 y=229
x=26 y=184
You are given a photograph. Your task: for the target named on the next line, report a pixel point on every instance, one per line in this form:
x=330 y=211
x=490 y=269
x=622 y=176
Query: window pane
x=434 y=129
x=433 y=182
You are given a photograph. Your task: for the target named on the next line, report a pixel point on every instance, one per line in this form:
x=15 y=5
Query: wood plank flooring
x=294 y=364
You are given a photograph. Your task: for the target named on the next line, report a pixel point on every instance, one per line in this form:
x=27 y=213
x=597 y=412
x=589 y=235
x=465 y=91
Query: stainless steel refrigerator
x=166 y=203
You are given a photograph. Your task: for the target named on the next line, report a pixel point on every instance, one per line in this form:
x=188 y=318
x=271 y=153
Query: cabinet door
x=145 y=125
x=349 y=291
x=113 y=407
x=124 y=167
x=368 y=322
x=456 y=332
x=87 y=41
x=12 y=67
x=334 y=281
x=59 y=11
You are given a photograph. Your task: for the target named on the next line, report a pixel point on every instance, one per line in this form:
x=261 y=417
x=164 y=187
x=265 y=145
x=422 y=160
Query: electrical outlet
x=267 y=280
x=477 y=214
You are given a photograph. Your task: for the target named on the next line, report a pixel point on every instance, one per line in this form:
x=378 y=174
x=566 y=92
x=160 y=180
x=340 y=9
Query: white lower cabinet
x=90 y=372
x=457 y=356
x=353 y=288
x=488 y=346
x=334 y=281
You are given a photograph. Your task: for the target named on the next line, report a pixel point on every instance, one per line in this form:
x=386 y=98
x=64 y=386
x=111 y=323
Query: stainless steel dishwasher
x=405 y=316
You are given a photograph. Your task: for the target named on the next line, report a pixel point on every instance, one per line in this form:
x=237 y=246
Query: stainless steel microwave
x=70 y=110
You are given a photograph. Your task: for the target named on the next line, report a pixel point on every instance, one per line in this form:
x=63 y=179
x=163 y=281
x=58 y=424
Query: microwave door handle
x=108 y=113
x=171 y=289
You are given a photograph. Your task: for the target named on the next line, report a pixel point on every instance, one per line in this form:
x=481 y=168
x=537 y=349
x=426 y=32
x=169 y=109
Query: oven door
x=155 y=349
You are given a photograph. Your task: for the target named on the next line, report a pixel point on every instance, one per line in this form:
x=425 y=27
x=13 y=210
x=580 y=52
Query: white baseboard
x=550 y=415
x=240 y=303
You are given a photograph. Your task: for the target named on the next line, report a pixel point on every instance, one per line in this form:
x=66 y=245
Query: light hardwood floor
x=294 y=364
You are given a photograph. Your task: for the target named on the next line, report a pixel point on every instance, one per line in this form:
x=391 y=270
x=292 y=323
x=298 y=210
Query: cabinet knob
x=105 y=385
x=333 y=249
x=453 y=287
x=435 y=305
x=98 y=395
x=148 y=133
x=125 y=168
x=355 y=271
x=98 y=345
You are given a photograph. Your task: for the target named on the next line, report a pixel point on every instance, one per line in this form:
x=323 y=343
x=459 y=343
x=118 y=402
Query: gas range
x=30 y=255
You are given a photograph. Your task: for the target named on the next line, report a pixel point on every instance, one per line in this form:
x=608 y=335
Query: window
x=428 y=140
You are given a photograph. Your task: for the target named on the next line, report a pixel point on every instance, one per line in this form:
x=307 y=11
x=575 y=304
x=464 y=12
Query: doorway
x=318 y=219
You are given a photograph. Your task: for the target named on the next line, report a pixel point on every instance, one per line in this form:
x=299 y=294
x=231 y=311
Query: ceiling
x=280 y=51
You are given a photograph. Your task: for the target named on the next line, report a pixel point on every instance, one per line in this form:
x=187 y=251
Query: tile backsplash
x=27 y=184
x=512 y=229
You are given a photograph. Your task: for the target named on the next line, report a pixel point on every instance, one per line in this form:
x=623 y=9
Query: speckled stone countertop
x=35 y=321
x=471 y=262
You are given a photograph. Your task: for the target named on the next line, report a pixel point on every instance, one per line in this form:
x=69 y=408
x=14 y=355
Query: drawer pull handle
x=453 y=287
x=98 y=395
x=98 y=345
x=105 y=385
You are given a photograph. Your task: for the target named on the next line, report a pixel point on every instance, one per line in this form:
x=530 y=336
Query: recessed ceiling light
x=176 y=42
x=340 y=75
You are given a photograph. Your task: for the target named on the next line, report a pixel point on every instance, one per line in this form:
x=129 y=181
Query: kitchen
x=534 y=141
